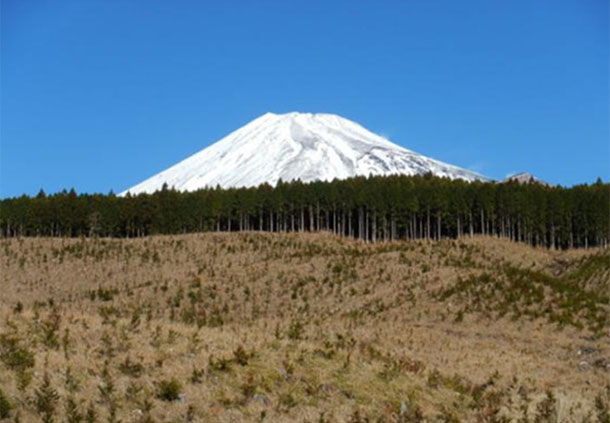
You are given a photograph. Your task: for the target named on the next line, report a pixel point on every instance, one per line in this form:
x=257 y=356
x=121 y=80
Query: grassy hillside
x=301 y=328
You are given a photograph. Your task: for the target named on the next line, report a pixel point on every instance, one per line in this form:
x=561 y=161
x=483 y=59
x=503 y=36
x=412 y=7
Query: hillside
x=301 y=327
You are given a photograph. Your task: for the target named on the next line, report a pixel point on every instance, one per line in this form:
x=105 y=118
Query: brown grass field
x=258 y=327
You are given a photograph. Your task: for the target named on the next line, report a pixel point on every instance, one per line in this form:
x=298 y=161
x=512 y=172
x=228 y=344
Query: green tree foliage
x=372 y=209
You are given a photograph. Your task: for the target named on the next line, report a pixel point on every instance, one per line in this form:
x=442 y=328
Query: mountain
x=525 y=178
x=295 y=146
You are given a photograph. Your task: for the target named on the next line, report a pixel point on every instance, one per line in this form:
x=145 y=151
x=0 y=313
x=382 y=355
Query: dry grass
x=300 y=328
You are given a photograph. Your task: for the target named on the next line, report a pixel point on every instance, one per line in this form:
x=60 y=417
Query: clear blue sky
x=99 y=95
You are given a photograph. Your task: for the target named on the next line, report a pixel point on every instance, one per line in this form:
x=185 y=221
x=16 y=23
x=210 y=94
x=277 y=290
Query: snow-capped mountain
x=295 y=146
x=525 y=178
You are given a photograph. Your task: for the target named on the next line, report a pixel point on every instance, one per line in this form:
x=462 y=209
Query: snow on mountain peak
x=525 y=178
x=291 y=146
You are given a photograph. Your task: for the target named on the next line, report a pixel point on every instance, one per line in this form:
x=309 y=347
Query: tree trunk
x=311 y=228
x=349 y=224
x=428 y=223
x=374 y=229
x=366 y=225
x=260 y=220
x=438 y=226
x=271 y=228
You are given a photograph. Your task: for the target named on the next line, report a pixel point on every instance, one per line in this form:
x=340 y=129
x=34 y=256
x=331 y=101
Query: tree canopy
x=372 y=209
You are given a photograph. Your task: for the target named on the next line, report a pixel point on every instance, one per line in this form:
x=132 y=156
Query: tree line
x=380 y=208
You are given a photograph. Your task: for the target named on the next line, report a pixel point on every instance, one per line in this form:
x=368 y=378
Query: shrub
x=73 y=413
x=50 y=329
x=287 y=400
x=169 y=390
x=295 y=330
x=197 y=375
x=91 y=414
x=131 y=368
x=45 y=400
x=546 y=410
x=13 y=355
x=219 y=365
x=602 y=407
x=5 y=406
x=434 y=379
x=241 y=357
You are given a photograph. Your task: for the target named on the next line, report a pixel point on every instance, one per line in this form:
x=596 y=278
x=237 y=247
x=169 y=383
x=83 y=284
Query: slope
x=295 y=146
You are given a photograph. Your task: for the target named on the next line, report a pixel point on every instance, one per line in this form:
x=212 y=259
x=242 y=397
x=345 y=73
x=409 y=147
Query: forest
x=373 y=209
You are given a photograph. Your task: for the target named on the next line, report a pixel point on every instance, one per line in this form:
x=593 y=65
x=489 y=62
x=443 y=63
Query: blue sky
x=99 y=95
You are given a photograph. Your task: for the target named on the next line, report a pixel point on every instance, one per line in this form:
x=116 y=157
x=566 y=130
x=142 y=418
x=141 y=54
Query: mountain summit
x=295 y=146
x=525 y=178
